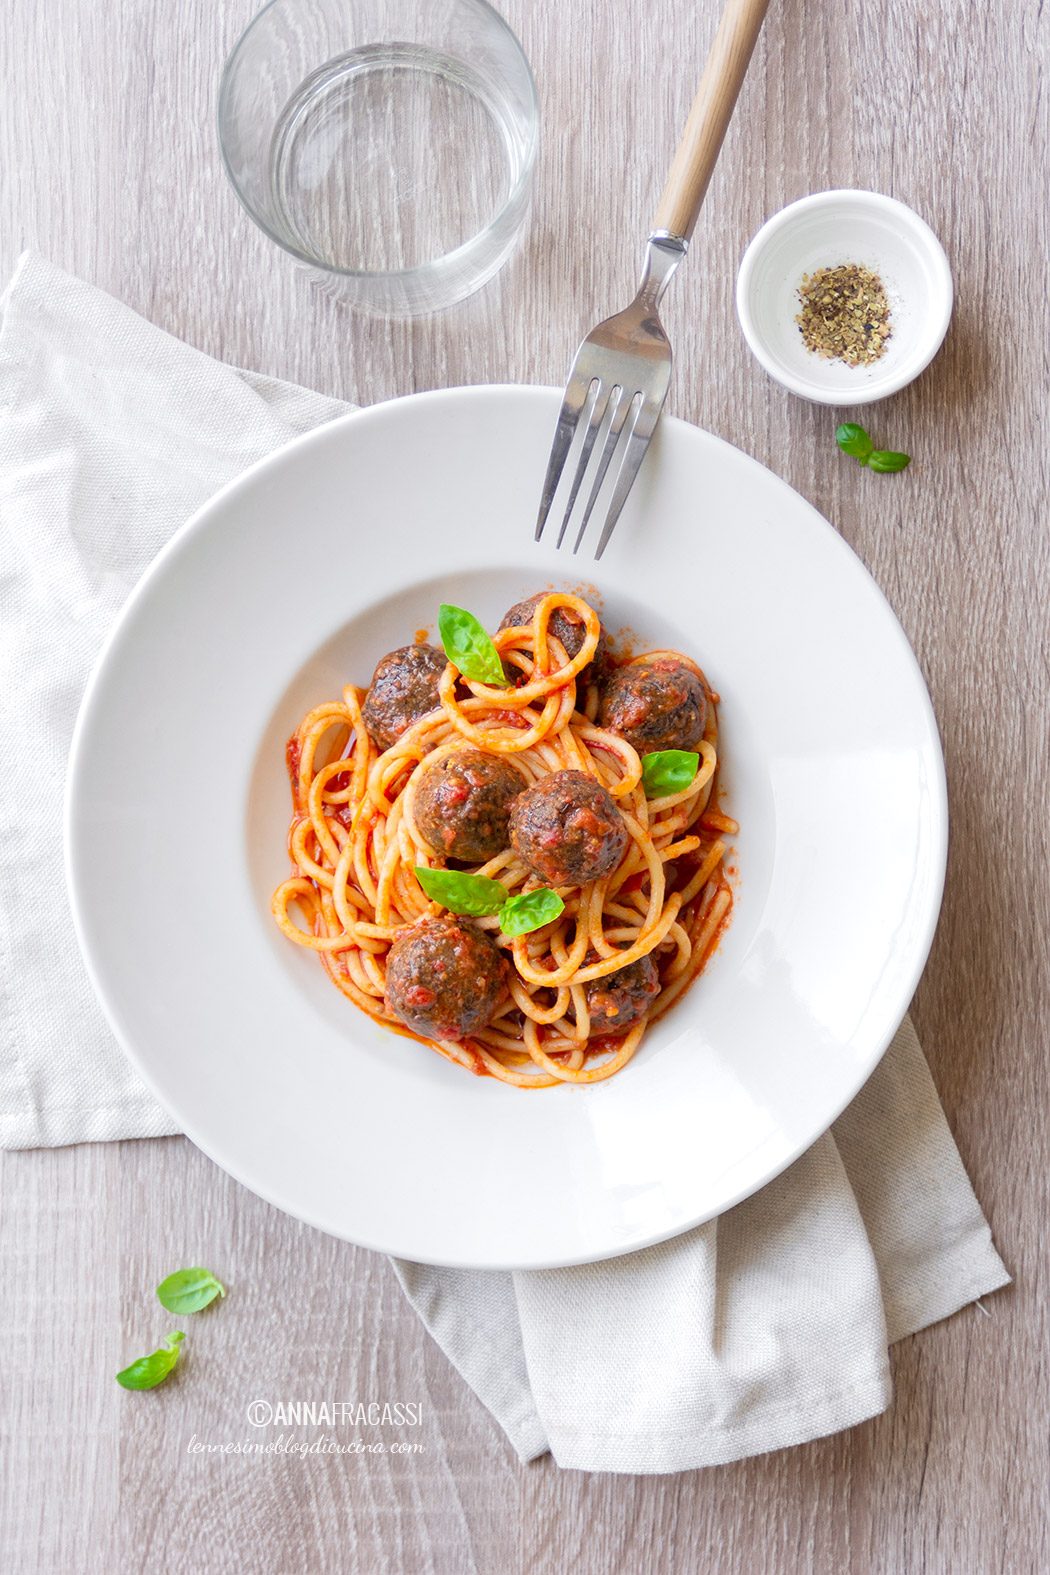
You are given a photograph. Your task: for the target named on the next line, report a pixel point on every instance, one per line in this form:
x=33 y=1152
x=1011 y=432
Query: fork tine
x=612 y=437
x=621 y=375
x=575 y=398
x=597 y=416
x=637 y=444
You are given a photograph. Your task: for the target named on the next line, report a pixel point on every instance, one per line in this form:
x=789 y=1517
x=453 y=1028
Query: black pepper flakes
x=845 y=314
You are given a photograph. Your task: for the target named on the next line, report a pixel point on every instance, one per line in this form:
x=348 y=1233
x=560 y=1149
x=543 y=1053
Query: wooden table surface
x=109 y=166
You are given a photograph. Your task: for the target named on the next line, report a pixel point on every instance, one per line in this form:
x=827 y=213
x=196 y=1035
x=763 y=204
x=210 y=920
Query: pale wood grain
x=109 y=166
x=697 y=153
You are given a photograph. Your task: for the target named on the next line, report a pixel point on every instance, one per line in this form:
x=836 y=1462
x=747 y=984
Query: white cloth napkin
x=764 y=1328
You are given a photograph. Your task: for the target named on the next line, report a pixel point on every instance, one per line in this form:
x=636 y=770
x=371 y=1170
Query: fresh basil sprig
x=853 y=440
x=189 y=1290
x=668 y=771
x=149 y=1371
x=469 y=647
x=477 y=896
x=530 y=910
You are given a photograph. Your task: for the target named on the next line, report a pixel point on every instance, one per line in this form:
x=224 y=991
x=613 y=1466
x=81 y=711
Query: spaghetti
x=355 y=844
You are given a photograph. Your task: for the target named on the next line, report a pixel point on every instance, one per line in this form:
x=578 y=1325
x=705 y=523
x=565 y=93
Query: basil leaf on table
x=853 y=440
x=475 y=895
x=668 y=771
x=888 y=460
x=189 y=1290
x=530 y=910
x=469 y=647
x=149 y=1371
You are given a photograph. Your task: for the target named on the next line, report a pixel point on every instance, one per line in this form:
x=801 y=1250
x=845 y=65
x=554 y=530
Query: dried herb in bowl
x=845 y=314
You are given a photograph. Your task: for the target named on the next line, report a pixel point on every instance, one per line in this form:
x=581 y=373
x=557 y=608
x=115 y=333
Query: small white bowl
x=823 y=231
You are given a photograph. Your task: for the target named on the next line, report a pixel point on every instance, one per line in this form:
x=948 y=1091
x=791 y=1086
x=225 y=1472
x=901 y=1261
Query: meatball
x=404 y=688
x=619 y=1000
x=566 y=627
x=463 y=805
x=567 y=829
x=655 y=705
x=444 y=978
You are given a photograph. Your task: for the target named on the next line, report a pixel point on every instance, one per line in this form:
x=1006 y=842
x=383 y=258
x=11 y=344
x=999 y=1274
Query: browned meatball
x=619 y=1000
x=566 y=627
x=404 y=688
x=655 y=705
x=463 y=805
x=444 y=978
x=567 y=829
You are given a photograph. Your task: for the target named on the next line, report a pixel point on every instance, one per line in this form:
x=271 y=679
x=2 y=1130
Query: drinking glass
x=387 y=145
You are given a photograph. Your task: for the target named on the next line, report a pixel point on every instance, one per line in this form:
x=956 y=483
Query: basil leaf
x=529 y=910
x=885 y=459
x=462 y=893
x=853 y=440
x=469 y=648
x=668 y=771
x=149 y=1371
x=188 y=1290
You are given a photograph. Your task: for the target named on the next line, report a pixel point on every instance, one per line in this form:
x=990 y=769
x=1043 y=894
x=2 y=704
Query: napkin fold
x=766 y=1327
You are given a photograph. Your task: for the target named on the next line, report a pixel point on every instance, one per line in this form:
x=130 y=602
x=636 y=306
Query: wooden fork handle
x=709 y=117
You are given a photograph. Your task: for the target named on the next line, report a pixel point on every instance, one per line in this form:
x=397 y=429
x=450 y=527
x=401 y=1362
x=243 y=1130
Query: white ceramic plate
x=294 y=580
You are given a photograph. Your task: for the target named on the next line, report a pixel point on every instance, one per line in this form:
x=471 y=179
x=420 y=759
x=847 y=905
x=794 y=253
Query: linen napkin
x=764 y=1328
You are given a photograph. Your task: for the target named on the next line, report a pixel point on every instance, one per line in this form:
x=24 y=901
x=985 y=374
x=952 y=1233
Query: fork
x=619 y=379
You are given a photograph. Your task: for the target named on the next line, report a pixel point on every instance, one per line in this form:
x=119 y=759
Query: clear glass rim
x=422 y=272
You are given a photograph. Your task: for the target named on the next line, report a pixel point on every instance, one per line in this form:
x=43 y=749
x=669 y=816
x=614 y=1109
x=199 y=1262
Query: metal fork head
x=616 y=390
